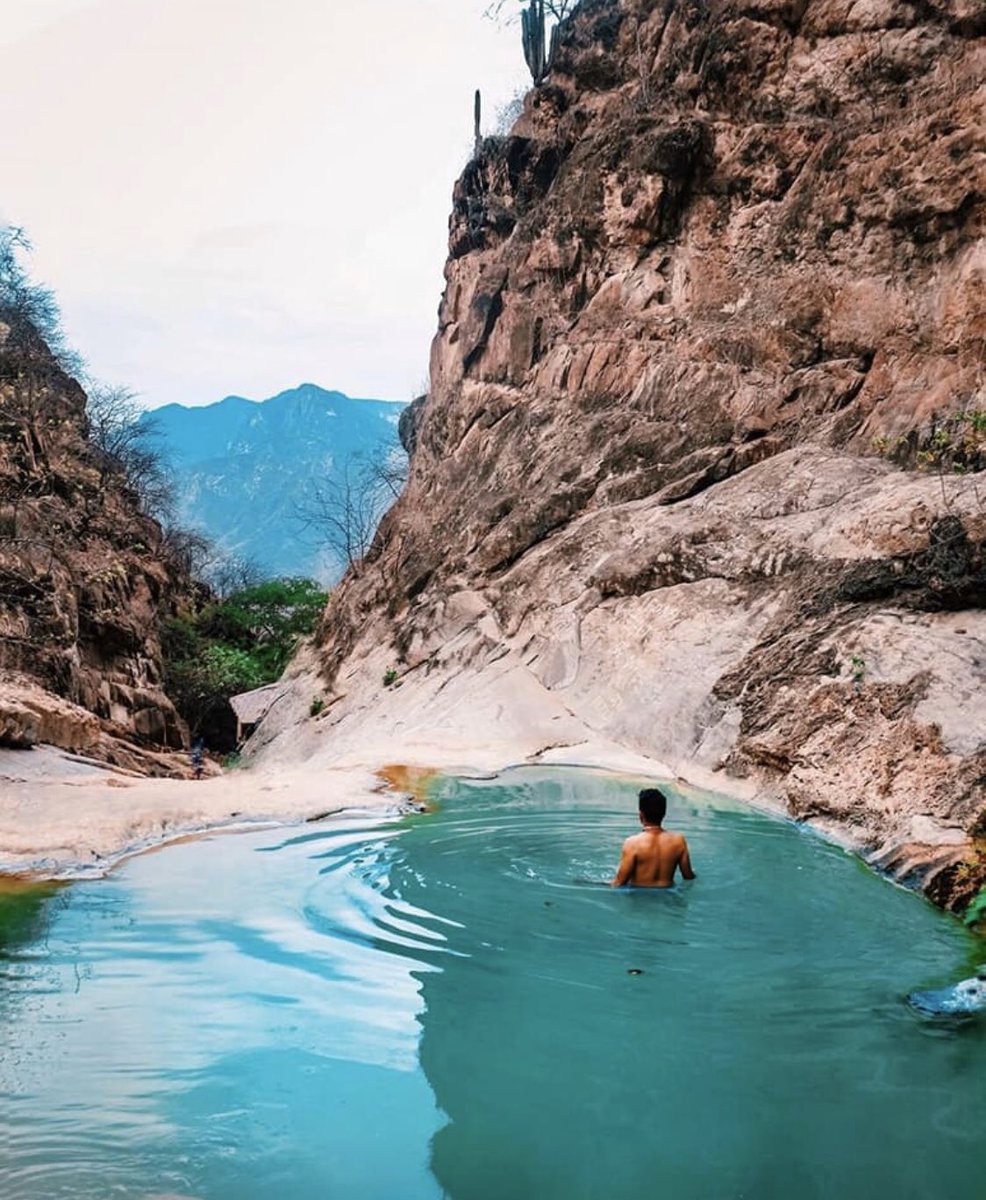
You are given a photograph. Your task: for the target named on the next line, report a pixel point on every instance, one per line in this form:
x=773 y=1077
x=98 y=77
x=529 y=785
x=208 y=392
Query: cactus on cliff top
x=532 y=38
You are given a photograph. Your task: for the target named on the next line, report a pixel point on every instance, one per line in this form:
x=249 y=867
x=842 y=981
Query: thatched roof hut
x=251 y=708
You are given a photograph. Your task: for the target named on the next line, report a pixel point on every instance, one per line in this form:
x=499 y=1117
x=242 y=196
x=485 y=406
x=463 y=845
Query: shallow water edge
x=407 y=788
x=79 y=831
x=301 y=797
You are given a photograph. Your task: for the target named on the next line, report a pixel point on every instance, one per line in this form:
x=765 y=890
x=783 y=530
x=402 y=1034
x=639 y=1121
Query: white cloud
x=235 y=195
x=21 y=18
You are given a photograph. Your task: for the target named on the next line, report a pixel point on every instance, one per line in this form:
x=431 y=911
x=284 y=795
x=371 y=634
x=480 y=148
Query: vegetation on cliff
x=102 y=602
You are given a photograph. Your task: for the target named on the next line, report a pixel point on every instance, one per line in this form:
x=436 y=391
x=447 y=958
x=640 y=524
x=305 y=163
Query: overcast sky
x=235 y=196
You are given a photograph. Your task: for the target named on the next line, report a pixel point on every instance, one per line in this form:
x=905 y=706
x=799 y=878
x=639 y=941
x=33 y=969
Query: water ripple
x=456 y=1005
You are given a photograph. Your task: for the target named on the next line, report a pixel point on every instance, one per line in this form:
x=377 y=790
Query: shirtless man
x=650 y=858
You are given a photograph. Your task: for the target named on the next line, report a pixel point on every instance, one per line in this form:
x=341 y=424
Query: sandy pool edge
x=70 y=825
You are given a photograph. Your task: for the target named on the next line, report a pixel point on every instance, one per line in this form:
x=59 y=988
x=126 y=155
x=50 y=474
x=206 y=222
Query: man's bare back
x=650 y=858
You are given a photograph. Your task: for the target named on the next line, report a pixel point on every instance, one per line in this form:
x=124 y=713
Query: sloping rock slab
x=29 y=715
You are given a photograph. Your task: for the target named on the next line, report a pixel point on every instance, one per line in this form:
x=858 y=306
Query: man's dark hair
x=653 y=805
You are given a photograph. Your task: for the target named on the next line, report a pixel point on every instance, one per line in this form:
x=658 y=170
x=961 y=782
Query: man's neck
x=651 y=828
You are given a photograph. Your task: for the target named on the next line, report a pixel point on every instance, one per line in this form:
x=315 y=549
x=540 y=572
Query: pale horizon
x=227 y=198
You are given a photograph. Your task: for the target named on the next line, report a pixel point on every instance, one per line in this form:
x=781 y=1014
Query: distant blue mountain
x=243 y=467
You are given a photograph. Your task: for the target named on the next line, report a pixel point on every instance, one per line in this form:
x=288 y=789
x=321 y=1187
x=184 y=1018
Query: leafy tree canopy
x=237 y=644
x=267 y=619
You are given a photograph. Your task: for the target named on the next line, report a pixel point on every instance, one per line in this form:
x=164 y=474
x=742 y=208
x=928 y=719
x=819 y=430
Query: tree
x=201 y=684
x=127 y=444
x=33 y=349
x=344 y=510
x=188 y=550
x=227 y=574
x=388 y=475
x=236 y=644
x=124 y=444
x=30 y=308
x=267 y=620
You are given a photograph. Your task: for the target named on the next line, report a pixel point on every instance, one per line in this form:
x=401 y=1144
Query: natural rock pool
x=451 y=1006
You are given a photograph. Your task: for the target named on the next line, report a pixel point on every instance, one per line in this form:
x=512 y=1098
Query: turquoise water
x=441 y=1005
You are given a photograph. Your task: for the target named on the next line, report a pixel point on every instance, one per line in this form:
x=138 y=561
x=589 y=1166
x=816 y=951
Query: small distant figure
x=198 y=758
x=650 y=858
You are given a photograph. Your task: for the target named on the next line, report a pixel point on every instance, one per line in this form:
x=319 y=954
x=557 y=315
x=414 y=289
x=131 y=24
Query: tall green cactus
x=532 y=37
x=477 y=113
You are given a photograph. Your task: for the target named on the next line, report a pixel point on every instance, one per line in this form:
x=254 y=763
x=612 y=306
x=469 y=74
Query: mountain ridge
x=243 y=468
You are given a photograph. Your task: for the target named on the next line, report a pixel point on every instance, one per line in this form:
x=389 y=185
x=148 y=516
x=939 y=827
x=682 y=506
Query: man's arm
x=624 y=872
x=685 y=862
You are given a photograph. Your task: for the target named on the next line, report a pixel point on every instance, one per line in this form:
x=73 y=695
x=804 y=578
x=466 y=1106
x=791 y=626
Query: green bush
x=197 y=685
x=180 y=640
x=268 y=619
x=953 y=443
x=237 y=644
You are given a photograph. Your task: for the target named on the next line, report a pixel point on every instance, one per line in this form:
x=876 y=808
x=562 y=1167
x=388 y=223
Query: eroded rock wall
x=703 y=451
x=85 y=579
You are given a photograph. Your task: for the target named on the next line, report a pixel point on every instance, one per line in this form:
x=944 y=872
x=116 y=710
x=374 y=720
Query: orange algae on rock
x=418 y=782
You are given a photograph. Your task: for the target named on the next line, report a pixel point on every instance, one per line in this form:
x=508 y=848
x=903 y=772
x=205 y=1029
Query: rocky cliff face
x=703 y=453
x=85 y=579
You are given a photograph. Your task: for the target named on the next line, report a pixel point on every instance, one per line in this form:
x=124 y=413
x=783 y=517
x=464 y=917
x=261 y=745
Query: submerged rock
x=965 y=997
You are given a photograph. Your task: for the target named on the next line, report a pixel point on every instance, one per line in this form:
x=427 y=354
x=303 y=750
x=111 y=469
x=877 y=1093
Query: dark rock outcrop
x=86 y=578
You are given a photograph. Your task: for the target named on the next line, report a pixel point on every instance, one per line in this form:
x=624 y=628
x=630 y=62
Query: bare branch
x=227 y=574
x=188 y=549
x=345 y=509
x=127 y=444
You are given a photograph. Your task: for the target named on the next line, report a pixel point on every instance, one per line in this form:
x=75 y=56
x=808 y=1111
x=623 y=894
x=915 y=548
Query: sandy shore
x=65 y=818
x=60 y=818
